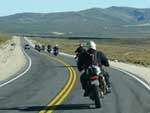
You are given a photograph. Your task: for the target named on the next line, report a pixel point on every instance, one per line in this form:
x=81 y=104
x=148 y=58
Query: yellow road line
x=65 y=91
x=65 y=95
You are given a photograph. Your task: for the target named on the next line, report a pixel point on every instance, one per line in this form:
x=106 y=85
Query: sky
x=8 y=7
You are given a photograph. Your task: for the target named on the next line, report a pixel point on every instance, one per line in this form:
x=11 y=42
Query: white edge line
x=131 y=75
x=29 y=66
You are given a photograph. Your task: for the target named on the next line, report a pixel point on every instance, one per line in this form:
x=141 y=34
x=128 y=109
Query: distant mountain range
x=97 y=22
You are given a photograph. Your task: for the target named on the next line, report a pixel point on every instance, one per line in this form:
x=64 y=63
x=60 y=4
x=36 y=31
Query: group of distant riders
x=49 y=49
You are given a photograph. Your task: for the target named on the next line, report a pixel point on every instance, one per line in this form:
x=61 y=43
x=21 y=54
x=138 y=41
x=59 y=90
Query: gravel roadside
x=12 y=58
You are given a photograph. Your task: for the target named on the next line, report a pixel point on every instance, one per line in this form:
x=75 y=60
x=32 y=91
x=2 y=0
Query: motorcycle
x=96 y=85
x=43 y=48
x=49 y=49
x=55 y=52
x=38 y=48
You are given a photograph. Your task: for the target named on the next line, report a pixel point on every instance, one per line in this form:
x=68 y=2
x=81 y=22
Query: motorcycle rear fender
x=95 y=82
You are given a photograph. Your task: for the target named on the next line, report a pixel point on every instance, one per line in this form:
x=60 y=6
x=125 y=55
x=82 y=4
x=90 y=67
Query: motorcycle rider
x=79 y=50
x=92 y=57
x=43 y=47
x=56 y=49
x=49 y=48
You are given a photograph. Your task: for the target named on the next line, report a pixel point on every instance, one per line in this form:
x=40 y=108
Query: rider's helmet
x=56 y=45
x=80 y=44
x=91 y=45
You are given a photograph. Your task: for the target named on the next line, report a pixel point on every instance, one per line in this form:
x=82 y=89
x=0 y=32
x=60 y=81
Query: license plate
x=95 y=82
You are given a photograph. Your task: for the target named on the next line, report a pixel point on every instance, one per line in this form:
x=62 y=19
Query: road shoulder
x=12 y=60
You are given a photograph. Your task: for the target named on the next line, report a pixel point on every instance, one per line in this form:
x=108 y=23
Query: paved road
x=36 y=88
x=33 y=91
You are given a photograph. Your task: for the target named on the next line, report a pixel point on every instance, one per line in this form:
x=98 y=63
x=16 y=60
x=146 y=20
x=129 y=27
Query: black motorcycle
x=38 y=48
x=55 y=51
x=49 y=48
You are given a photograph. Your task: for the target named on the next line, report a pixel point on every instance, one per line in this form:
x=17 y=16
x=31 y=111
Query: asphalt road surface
x=47 y=77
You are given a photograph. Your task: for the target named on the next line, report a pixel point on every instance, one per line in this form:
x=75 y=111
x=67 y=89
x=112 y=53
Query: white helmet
x=91 y=45
x=80 y=44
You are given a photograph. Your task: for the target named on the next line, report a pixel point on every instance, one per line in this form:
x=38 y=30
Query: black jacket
x=80 y=50
x=91 y=57
x=55 y=48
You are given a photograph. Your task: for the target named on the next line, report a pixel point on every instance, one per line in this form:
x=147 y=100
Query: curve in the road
x=58 y=99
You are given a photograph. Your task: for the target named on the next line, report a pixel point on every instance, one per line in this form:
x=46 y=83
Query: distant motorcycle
x=49 y=48
x=38 y=48
x=43 y=48
x=96 y=86
x=56 y=50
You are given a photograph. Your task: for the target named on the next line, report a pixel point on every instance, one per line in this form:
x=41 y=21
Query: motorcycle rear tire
x=97 y=97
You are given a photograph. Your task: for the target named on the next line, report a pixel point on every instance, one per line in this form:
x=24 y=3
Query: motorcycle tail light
x=95 y=77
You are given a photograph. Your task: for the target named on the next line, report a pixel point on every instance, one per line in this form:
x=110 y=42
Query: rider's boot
x=108 y=89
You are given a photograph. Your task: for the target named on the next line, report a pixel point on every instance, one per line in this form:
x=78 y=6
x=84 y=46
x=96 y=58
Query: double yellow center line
x=58 y=99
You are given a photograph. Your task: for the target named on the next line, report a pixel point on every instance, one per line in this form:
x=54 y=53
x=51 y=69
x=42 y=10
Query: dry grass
x=127 y=53
x=135 y=51
x=4 y=38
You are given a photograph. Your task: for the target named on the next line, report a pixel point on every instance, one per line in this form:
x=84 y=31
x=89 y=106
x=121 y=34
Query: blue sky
x=8 y=7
